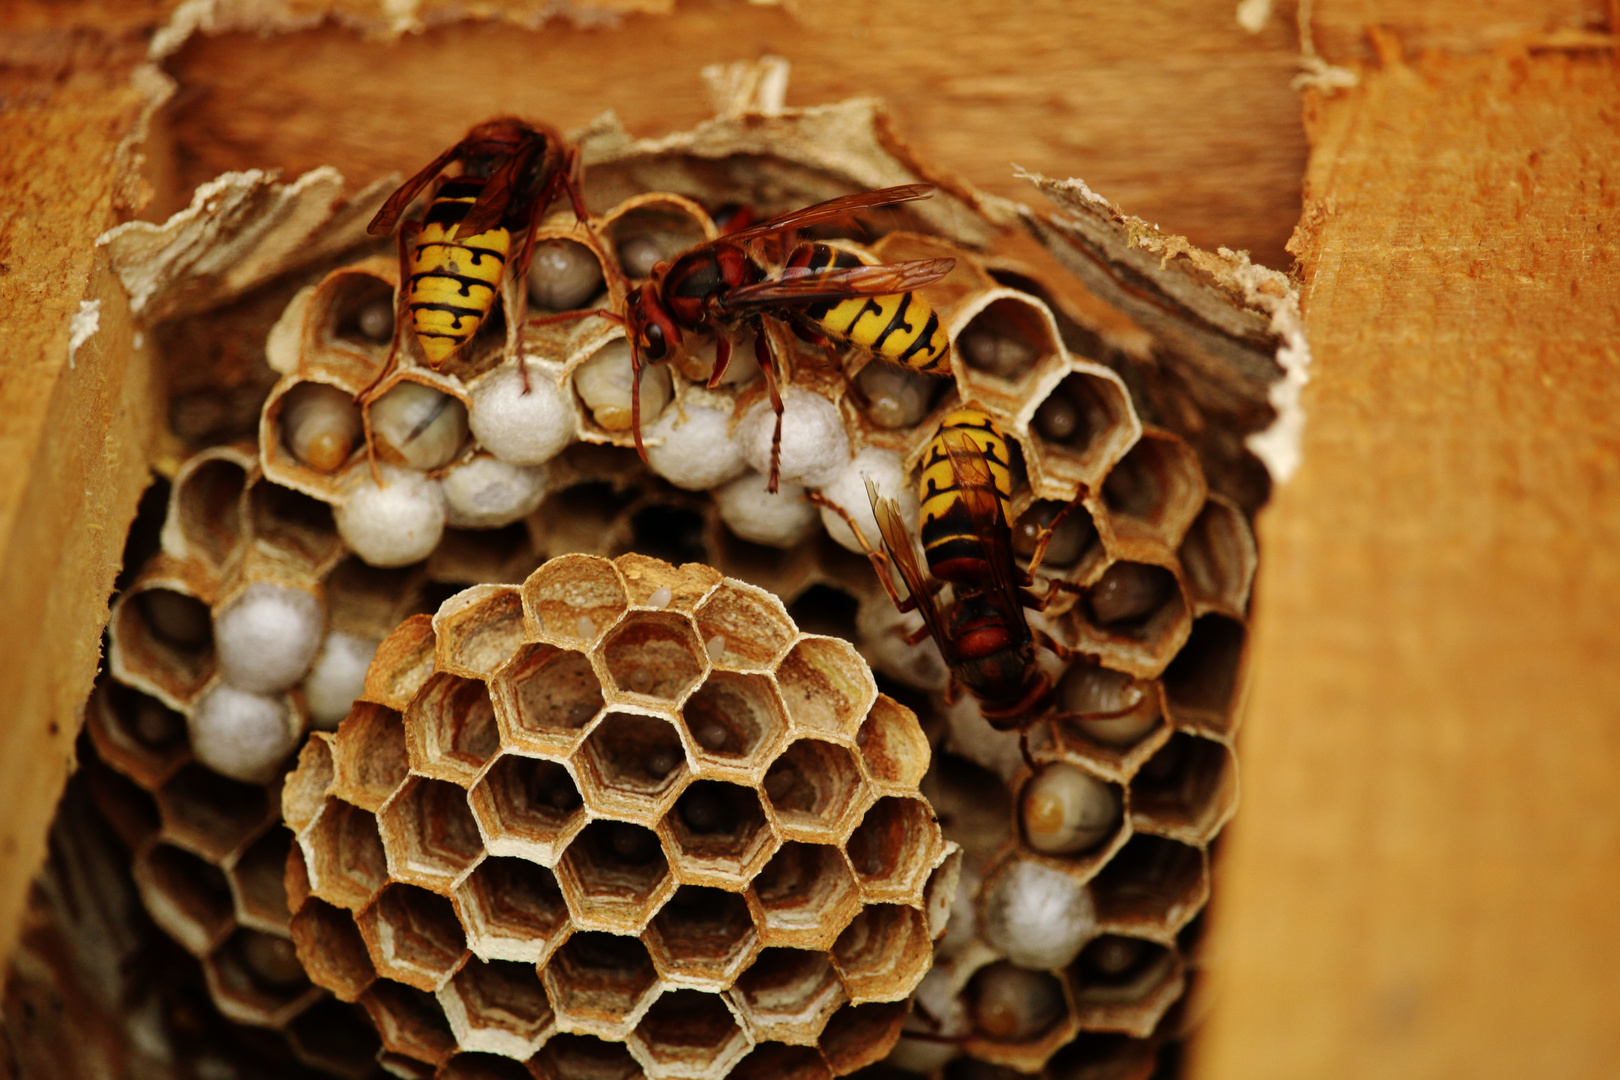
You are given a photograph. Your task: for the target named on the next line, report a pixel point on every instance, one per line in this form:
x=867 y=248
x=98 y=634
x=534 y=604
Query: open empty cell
x=331 y=950
x=256 y=978
x=429 y=834
x=498 y=1007
x=971 y=802
x=573 y=598
x=1152 y=887
x=479 y=628
x=654 y=655
x=702 y=936
x=1186 y=790
x=1079 y=426
x=671 y=533
x=583 y=1057
x=162 y=641
x=1219 y=558
x=299 y=525
x=688 y=1033
x=815 y=788
x=825 y=609
x=743 y=627
x=894 y=847
x=862 y=1035
x=883 y=953
x=344 y=854
x=409 y=1022
x=1074 y=545
x=718 y=833
x=413 y=936
x=1157 y=487
x=334 y=1037
x=806 y=894
x=185 y=895
x=258 y=881
x=545 y=695
x=369 y=756
x=893 y=744
x=128 y=808
x=206 y=509
x=826 y=685
x=1201 y=682
x=136 y=733
x=450 y=728
x=512 y=909
x=778 y=1061
x=213 y=814
x=734 y=719
x=1007 y=339
x=528 y=806
x=788 y=994
x=632 y=762
x=613 y=875
x=176 y=619
x=467 y=555
x=600 y=983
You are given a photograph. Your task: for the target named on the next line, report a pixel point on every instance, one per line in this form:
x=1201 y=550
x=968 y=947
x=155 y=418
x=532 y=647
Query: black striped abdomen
x=454 y=280
x=949 y=537
x=898 y=327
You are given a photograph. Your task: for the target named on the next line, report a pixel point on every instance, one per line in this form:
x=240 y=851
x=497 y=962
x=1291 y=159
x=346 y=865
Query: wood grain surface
x=1168 y=107
x=1422 y=879
x=74 y=430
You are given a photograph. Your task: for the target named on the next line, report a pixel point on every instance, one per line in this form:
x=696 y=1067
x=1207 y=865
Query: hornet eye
x=653 y=342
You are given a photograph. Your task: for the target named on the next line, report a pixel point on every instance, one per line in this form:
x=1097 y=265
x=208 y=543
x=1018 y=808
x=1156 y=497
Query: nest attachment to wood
x=624 y=817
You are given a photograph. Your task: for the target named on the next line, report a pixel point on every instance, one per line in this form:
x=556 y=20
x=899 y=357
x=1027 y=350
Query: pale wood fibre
x=1168 y=107
x=1461 y=26
x=1423 y=878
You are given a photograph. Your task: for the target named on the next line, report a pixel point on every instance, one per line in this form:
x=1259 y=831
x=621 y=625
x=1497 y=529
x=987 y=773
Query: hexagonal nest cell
x=620 y=882
x=626 y=817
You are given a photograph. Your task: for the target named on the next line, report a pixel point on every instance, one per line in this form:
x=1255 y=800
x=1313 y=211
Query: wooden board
x=1455 y=26
x=1168 y=107
x=74 y=429
x=1424 y=876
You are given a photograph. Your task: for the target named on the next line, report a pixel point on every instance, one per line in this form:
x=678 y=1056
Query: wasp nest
x=1127 y=375
x=247 y=626
x=624 y=812
x=1084 y=871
